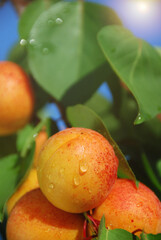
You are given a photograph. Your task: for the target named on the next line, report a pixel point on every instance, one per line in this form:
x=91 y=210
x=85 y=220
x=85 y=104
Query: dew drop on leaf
x=50 y=22
x=23 y=42
x=59 y=21
x=45 y=51
x=32 y=42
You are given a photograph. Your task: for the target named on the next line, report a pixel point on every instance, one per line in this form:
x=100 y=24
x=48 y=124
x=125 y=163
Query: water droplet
x=83 y=167
x=45 y=50
x=77 y=180
x=49 y=176
x=35 y=135
x=32 y=42
x=50 y=22
x=59 y=21
x=61 y=171
x=51 y=185
x=90 y=191
x=23 y=42
x=139 y=204
x=139 y=119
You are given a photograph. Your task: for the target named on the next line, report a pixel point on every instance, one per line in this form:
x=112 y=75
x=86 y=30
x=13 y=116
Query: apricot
x=35 y=218
x=29 y=183
x=76 y=169
x=17 y=100
x=131 y=208
x=39 y=140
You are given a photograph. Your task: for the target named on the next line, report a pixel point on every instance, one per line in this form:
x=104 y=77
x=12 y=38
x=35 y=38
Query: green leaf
x=64 y=48
x=30 y=15
x=150 y=172
x=22 y=136
x=137 y=64
x=115 y=234
x=9 y=170
x=158 y=167
x=82 y=116
x=27 y=136
x=102 y=231
x=13 y=170
x=121 y=234
x=18 y=54
x=145 y=236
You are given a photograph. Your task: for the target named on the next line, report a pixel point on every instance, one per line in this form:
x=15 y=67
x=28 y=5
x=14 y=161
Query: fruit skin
x=130 y=208
x=76 y=169
x=35 y=218
x=17 y=100
x=29 y=183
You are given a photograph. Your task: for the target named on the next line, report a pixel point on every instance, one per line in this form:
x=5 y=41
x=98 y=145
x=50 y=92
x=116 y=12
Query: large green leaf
x=63 y=48
x=30 y=15
x=9 y=170
x=82 y=116
x=13 y=170
x=137 y=64
x=145 y=236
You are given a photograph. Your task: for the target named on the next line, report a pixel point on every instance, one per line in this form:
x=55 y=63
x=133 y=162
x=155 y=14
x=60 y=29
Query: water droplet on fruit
x=139 y=204
x=61 y=171
x=50 y=22
x=90 y=191
x=45 y=51
x=49 y=176
x=59 y=21
x=83 y=167
x=77 y=180
x=23 y=42
x=51 y=185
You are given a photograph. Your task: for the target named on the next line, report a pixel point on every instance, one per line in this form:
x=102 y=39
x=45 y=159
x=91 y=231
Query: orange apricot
x=76 y=169
x=35 y=218
x=131 y=208
x=17 y=101
x=27 y=185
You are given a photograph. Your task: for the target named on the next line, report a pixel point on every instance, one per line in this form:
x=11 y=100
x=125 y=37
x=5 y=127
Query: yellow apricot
x=76 y=169
x=35 y=218
x=17 y=101
x=131 y=208
x=29 y=183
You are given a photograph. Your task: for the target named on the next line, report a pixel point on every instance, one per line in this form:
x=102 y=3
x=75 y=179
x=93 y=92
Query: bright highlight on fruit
x=76 y=169
x=130 y=208
x=34 y=217
x=17 y=101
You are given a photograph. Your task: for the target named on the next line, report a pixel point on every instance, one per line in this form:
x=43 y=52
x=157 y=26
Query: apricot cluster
x=77 y=172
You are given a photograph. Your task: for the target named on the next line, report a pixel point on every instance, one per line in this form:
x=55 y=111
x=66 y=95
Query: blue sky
x=145 y=23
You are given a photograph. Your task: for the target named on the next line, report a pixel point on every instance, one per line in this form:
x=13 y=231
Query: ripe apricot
x=17 y=101
x=35 y=218
x=29 y=183
x=76 y=169
x=131 y=208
